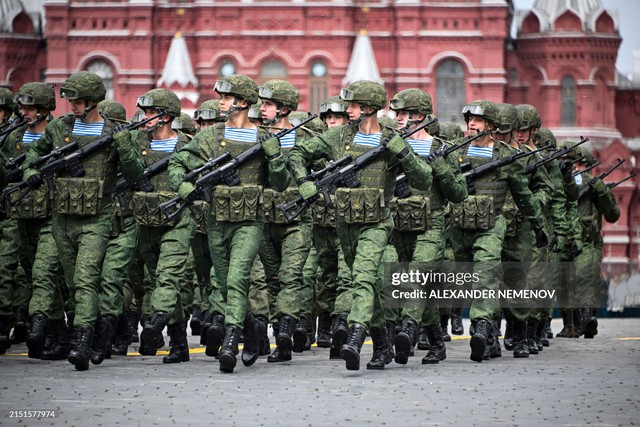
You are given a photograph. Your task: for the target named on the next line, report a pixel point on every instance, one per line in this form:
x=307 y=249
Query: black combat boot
x=151 y=335
x=520 y=342
x=285 y=333
x=350 y=352
x=196 y=321
x=568 y=330
x=541 y=335
x=21 y=328
x=508 y=333
x=251 y=346
x=381 y=349
x=5 y=326
x=35 y=342
x=590 y=322
x=71 y=315
x=262 y=325
x=423 y=339
x=493 y=348
x=405 y=340
x=532 y=327
x=478 y=342
x=324 y=331
x=456 y=321
x=205 y=322
x=122 y=339
x=340 y=335
x=179 y=351
x=438 y=350
x=391 y=336
x=578 y=324
x=311 y=334
x=133 y=317
x=82 y=340
x=61 y=346
x=215 y=335
x=102 y=338
x=548 y=331
x=444 y=323
x=229 y=349
x=301 y=333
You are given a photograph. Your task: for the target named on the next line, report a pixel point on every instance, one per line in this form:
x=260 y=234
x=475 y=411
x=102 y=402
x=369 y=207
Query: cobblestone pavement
x=575 y=382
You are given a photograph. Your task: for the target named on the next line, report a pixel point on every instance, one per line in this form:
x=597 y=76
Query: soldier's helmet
x=281 y=92
x=36 y=94
x=113 y=110
x=333 y=105
x=316 y=125
x=545 y=137
x=254 y=111
x=83 y=85
x=483 y=108
x=573 y=154
x=209 y=111
x=388 y=122
x=412 y=100
x=238 y=85
x=184 y=123
x=589 y=158
x=365 y=92
x=138 y=116
x=507 y=118
x=450 y=131
x=6 y=101
x=528 y=117
x=160 y=99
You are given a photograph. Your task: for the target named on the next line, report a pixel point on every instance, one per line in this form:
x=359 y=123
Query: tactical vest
x=146 y=206
x=479 y=211
x=369 y=202
x=36 y=204
x=414 y=213
x=242 y=202
x=273 y=199
x=85 y=195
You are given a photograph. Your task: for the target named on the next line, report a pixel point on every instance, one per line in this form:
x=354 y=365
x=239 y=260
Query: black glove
x=541 y=238
x=576 y=248
x=35 y=181
x=120 y=128
x=566 y=169
x=434 y=156
x=471 y=189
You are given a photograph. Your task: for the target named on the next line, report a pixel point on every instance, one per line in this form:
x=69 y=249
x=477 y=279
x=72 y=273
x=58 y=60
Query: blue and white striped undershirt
x=288 y=140
x=422 y=147
x=164 y=145
x=475 y=151
x=81 y=128
x=370 y=140
x=29 y=137
x=578 y=179
x=242 y=135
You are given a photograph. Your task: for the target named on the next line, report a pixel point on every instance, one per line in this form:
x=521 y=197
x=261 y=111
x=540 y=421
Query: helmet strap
x=87 y=109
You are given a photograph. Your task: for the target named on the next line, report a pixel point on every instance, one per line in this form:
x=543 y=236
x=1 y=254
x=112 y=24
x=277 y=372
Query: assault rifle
x=585 y=170
x=402 y=182
x=615 y=184
x=345 y=176
x=474 y=173
x=226 y=173
x=71 y=162
x=15 y=173
x=13 y=125
x=585 y=191
x=557 y=154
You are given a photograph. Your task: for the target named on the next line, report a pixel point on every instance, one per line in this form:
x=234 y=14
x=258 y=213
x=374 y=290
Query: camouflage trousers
x=332 y=271
x=483 y=249
x=588 y=279
x=15 y=290
x=165 y=252
x=202 y=257
x=283 y=251
x=363 y=246
x=82 y=243
x=516 y=258
x=258 y=292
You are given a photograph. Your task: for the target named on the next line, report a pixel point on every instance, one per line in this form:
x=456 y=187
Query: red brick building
x=562 y=60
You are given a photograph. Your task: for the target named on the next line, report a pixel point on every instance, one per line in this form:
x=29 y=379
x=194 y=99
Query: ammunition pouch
x=360 y=205
x=411 y=213
x=513 y=219
x=78 y=196
x=273 y=199
x=34 y=205
x=199 y=209
x=236 y=204
x=474 y=213
x=323 y=214
x=146 y=209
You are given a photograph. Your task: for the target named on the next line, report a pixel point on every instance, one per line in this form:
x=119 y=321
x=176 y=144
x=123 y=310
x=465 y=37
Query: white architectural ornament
x=362 y=65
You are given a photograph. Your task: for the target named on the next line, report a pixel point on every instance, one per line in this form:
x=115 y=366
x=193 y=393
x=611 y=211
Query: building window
x=272 y=70
x=227 y=68
x=568 y=101
x=450 y=89
x=318 y=85
x=105 y=71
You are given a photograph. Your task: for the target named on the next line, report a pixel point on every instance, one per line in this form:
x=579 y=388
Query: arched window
x=450 y=91
x=227 y=68
x=318 y=85
x=105 y=71
x=568 y=101
x=272 y=70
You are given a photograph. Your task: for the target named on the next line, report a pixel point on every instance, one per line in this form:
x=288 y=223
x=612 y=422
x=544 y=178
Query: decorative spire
x=362 y=65
x=178 y=70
